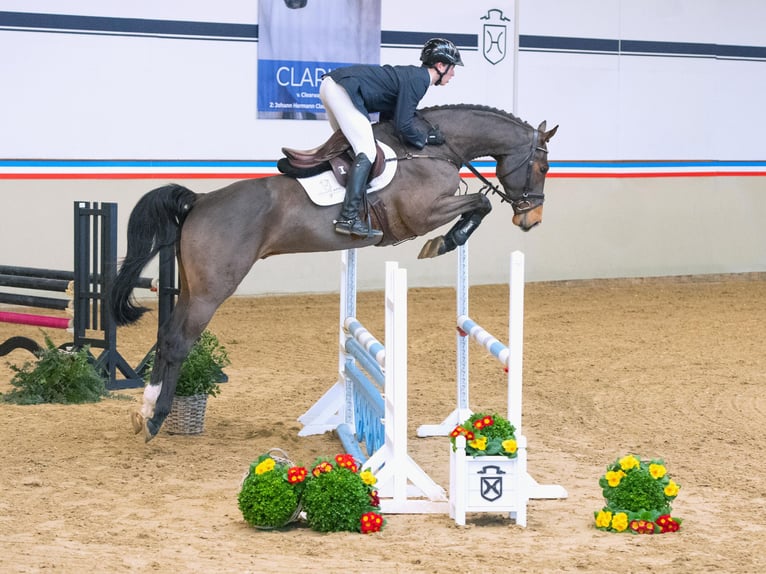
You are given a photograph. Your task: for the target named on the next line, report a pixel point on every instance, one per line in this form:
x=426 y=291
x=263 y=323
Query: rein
x=528 y=199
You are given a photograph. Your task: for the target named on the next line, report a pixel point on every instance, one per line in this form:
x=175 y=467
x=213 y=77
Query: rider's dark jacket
x=394 y=91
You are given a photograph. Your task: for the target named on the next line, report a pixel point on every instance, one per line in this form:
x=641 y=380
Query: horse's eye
x=544 y=169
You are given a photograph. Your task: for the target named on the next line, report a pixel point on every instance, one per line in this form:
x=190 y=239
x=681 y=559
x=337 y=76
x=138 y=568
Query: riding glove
x=435 y=136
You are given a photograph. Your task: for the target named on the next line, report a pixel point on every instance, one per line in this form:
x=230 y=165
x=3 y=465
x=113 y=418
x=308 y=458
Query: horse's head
x=523 y=179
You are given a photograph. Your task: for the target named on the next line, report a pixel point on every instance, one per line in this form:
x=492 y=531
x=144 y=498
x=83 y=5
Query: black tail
x=155 y=222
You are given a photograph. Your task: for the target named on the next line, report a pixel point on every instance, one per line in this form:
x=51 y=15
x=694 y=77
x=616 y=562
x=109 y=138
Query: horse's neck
x=480 y=133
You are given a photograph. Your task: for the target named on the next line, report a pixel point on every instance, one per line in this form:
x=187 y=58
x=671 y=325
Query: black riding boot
x=356 y=187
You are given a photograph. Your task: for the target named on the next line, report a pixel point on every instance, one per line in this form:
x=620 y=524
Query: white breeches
x=343 y=115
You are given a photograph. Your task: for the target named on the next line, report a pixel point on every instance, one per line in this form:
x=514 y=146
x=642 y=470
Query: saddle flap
x=335 y=146
x=341 y=164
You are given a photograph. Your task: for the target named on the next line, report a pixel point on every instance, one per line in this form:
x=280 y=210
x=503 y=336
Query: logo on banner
x=495 y=36
x=491 y=485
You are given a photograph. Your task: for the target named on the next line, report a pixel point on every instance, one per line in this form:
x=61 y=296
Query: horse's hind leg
x=174 y=341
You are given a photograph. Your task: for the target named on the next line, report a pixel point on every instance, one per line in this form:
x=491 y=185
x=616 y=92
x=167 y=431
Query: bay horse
x=218 y=236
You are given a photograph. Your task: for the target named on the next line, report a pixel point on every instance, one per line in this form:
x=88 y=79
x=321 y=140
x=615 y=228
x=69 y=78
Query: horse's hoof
x=137 y=420
x=150 y=430
x=148 y=433
x=432 y=248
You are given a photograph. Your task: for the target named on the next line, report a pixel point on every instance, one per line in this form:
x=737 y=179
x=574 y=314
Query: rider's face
x=448 y=70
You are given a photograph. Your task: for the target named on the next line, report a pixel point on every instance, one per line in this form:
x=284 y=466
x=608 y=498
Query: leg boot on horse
x=356 y=188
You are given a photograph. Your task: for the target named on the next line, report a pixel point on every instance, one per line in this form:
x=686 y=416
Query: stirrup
x=356 y=228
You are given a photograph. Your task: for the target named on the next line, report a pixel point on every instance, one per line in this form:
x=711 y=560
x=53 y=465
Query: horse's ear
x=548 y=135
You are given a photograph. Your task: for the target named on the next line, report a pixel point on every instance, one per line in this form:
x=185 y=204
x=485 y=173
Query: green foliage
x=638 y=497
x=498 y=431
x=202 y=369
x=57 y=377
x=638 y=491
x=335 y=501
x=268 y=500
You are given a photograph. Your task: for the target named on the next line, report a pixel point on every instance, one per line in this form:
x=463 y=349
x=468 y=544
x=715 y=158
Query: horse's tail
x=154 y=223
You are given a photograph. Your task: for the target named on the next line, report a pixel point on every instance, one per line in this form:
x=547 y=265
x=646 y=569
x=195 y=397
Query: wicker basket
x=187 y=415
x=280 y=457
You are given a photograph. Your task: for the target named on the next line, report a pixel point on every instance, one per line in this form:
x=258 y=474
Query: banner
x=301 y=40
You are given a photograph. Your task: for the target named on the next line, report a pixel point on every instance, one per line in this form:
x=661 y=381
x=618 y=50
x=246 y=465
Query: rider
x=350 y=94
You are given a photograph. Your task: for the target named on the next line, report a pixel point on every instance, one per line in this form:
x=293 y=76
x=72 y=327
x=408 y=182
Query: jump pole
x=403 y=487
x=510 y=356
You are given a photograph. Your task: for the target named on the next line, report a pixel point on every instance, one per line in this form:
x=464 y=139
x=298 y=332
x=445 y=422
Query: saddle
x=335 y=154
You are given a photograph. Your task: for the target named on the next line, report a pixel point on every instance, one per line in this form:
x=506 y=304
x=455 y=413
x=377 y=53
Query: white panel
x=669 y=20
x=580 y=93
x=666 y=108
x=582 y=19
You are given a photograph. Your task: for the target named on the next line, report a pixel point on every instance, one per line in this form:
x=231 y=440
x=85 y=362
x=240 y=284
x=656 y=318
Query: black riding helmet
x=440 y=50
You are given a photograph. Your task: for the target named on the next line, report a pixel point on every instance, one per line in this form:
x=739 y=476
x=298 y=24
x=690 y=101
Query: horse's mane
x=476 y=108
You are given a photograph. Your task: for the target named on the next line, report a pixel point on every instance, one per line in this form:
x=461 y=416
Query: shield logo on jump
x=491 y=485
x=495 y=36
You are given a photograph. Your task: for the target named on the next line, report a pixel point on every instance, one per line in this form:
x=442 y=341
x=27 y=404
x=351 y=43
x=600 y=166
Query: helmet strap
x=441 y=74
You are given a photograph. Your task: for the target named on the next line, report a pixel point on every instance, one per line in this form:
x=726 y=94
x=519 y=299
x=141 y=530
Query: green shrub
x=202 y=369
x=270 y=493
x=58 y=376
x=336 y=496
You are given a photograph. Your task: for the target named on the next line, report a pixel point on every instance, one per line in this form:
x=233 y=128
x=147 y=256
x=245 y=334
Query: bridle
x=528 y=199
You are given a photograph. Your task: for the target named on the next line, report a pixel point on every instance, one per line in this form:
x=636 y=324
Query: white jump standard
x=465 y=488
x=361 y=412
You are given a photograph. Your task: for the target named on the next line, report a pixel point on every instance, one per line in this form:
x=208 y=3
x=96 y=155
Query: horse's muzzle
x=526 y=220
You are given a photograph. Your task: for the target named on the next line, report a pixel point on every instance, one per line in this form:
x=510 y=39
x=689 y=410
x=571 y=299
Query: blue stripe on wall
x=64 y=23
x=126 y=26
x=640 y=48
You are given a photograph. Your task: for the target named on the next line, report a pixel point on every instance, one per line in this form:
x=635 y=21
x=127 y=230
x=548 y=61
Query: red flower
x=642 y=526
x=371 y=522
x=667 y=524
x=374 y=499
x=296 y=474
x=457 y=431
x=346 y=461
x=322 y=467
x=483 y=422
x=469 y=435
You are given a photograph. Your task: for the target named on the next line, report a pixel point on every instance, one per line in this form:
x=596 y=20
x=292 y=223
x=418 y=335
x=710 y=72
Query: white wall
x=97 y=96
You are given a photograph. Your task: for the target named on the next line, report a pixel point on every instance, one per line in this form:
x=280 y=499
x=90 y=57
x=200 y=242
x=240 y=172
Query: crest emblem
x=495 y=36
x=491 y=485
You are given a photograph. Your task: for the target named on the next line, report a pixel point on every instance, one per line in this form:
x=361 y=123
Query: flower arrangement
x=339 y=496
x=487 y=435
x=202 y=369
x=638 y=494
x=270 y=496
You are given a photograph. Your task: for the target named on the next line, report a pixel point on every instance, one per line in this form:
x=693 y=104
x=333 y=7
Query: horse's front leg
x=458 y=233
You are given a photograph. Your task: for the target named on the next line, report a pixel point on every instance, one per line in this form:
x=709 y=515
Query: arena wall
x=658 y=167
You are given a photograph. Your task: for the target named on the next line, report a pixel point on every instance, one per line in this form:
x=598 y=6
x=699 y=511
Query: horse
x=218 y=236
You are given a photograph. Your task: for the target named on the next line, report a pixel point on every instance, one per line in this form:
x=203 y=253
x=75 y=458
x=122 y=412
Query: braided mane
x=477 y=108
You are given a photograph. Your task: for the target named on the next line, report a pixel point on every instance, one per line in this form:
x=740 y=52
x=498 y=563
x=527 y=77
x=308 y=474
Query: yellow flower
x=367 y=477
x=603 y=519
x=510 y=445
x=613 y=477
x=657 y=470
x=265 y=465
x=620 y=521
x=479 y=443
x=628 y=462
x=672 y=489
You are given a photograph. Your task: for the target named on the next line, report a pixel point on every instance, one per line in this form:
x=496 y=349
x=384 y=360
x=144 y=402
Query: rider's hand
x=435 y=136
